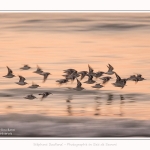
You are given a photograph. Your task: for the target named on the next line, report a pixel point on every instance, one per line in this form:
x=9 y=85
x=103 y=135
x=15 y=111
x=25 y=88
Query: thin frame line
x=38 y=138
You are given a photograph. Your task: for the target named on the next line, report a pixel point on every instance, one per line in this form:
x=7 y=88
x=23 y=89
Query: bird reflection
x=109 y=104
x=122 y=98
x=69 y=98
x=121 y=105
x=109 y=100
x=69 y=110
x=97 y=98
x=97 y=107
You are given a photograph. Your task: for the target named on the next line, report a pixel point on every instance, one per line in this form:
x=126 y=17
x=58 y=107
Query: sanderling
x=21 y=81
x=25 y=67
x=69 y=71
x=106 y=79
x=123 y=83
x=72 y=76
x=44 y=95
x=110 y=70
x=90 y=80
x=9 y=74
x=30 y=97
x=33 y=86
x=45 y=74
x=91 y=71
x=78 y=87
x=119 y=82
x=133 y=78
x=83 y=74
x=122 y=97
x=98 y=74
x=98 y=85
x=38 y=70
x=62 y=81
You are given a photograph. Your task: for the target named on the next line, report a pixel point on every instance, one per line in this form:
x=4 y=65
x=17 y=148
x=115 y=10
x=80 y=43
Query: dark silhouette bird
x=90 y=80
x=119 y=82
x=38 y=70
x=33 y=86
x=21 y=81
x=9 y=74
x=31 y=97
x=45 y=75
x=25 y=67
x=98 y=85
x=106 y=79
x=110 y=70
x=82 y=74
x=79 y=86
x=44 y=95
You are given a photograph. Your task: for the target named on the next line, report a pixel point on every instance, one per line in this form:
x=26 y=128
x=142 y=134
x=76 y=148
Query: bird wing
x=9 y=71
x=39 y=68
x=90 y=69
x=118 y=77
x=82 y=75
x=90 y=77
x=45 y=76
x=79 y=84
x=22 y=79
x=110 y=68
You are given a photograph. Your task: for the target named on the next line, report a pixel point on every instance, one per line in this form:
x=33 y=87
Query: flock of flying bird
x=72 y=74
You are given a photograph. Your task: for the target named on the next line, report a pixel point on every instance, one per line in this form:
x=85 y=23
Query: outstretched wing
x=90 y=77
x=110 y=68
x=83 y=74
x=22 y=79
x=9 y=71
x=90 y=69
x=45 y=76
x=123 y=83
x=118 y=77
x=39 y=68
x=105 y=79
x=79 y=84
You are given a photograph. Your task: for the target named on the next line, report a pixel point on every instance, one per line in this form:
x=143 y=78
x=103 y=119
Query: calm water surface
x=58 y=41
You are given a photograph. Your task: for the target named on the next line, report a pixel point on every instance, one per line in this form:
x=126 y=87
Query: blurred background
x=59 y=41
